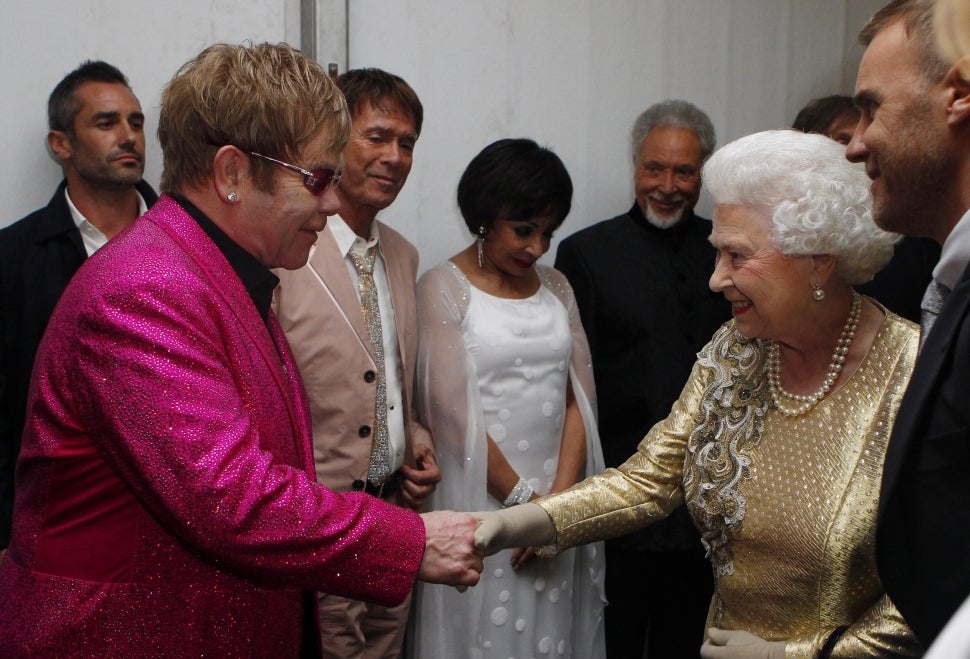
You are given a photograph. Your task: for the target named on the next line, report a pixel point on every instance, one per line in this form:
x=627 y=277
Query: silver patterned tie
x=380 y=453
x=930 y=307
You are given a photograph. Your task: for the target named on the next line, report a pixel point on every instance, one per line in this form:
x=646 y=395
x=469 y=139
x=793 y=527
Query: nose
x=128 y=134
x=668 y=184
x=856 y=150
x=720 y=279
x=391 y=154
x=537 y=246
x=328 y=203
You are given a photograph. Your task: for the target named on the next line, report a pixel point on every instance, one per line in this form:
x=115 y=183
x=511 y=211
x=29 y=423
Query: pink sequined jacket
x=166 y=503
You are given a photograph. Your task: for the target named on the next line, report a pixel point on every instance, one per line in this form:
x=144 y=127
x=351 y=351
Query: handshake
x=457 y=543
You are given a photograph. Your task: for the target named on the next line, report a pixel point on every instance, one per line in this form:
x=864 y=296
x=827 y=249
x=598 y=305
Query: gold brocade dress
x=786 y=506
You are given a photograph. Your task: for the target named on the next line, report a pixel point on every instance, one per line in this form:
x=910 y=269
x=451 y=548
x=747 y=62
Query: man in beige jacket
x=354 y=336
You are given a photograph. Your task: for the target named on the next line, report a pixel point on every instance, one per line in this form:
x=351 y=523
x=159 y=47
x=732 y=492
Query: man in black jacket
x=914 y=138
x=641 y=283
x=97 y=134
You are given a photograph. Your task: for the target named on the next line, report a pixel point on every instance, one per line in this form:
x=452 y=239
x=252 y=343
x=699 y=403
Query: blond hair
x=951 y=21
x=268 y=98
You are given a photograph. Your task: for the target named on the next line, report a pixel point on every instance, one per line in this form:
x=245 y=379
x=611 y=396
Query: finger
x=411 y=502
x=709 y=651
x=484 y=533
x=471 y=575
x=717 y=636
x=522 y=556
x=420 y=484
x=413 y=492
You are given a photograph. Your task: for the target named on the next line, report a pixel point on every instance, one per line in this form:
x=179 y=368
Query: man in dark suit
x=641 y=283
x=914 y=137
x=97 y=133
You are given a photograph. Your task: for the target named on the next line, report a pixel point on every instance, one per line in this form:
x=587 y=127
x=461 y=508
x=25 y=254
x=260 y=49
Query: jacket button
x=369 y=376
x=358 y=485
x=364 y=431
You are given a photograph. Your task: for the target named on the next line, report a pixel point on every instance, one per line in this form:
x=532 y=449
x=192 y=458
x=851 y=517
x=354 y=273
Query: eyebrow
x=864 y=96
x=114 y=114
x=384 y=129
x=728 y=242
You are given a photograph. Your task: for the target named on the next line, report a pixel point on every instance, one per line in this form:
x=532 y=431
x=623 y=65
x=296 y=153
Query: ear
x=823 y=265
x=60 y=144
x=957 y=94
x=230 y=167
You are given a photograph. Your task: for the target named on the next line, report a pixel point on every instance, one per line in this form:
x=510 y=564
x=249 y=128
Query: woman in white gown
x=506 y=387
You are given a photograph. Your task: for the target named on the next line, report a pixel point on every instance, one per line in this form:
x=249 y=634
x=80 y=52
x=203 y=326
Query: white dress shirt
x=348 y=241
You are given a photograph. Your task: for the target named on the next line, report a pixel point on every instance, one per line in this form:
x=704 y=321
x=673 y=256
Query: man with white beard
x=641 y=284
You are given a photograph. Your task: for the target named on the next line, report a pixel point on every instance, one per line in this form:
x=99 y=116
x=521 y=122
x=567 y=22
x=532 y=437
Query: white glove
x=728 y=644
x=526 y=525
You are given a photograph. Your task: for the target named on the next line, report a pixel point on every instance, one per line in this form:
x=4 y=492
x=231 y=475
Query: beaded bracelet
x=521 y=493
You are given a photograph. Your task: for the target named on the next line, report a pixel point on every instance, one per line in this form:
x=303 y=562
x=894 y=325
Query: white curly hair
x=818 y=202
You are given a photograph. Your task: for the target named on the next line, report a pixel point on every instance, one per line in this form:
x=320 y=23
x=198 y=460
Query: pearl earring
x=817 y=293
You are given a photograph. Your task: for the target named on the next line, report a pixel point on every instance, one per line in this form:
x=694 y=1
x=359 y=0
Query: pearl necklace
x=803 y=404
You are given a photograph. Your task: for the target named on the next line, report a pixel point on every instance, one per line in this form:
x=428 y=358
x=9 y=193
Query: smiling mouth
x=667 y=206
x=386 y=180
x=738 y=308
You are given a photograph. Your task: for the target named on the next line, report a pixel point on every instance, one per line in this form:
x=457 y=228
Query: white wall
x=572 y=74
x=42 y=40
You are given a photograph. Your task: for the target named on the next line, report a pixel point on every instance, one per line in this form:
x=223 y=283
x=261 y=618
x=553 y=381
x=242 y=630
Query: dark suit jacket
x=647 y=309
x=923 y=542
x=38 y=256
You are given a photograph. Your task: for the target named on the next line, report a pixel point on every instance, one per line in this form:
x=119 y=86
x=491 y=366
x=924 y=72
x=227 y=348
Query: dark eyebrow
x=115 y=115
x=106 y=115
x=387 y=131
x=864 y=97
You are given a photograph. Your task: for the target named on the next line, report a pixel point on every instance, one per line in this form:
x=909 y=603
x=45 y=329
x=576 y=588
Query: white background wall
x=571 y=74
x=42 y=40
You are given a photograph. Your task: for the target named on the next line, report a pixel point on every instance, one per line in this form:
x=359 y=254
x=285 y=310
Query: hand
x=450 y=556
x=526 y=525
x=737 y=644
x=420 y=481
x=521 y=556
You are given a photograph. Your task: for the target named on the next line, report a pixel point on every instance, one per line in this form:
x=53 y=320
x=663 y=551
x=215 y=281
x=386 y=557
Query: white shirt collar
x=347 y=240
x=92 y=237
x=955 y=255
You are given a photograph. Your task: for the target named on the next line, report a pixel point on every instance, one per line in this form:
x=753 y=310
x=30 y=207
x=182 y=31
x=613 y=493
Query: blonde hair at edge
x=951 y=21
x=268 y=98
x=818 y=202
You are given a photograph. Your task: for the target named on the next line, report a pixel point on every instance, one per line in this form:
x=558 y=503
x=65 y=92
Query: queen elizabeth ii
x=776 y=443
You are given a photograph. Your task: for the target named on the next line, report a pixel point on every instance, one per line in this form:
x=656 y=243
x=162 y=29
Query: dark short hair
x=62 y=106
x=380 y=89
x=514 y=179
x=917 y=18
x=820 y=113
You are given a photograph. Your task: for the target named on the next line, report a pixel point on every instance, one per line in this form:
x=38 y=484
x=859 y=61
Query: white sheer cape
x=449 y=405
